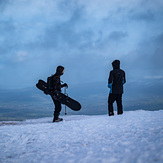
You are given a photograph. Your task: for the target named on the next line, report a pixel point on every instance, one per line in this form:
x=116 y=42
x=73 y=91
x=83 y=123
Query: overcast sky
x=84 y=36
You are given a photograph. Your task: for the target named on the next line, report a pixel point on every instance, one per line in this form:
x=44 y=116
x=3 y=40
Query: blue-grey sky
x=84 y=36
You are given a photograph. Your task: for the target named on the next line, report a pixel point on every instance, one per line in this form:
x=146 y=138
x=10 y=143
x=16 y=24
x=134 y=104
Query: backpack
x=49 y=82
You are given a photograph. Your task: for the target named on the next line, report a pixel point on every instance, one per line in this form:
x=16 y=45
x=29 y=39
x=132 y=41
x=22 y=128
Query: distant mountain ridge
x=31 y=102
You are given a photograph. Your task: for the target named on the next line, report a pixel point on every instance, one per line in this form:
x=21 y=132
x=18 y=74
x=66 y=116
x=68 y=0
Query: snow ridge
x=135 y=136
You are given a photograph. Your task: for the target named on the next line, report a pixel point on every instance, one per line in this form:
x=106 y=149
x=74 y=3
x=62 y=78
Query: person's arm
x=64 y=85
x=124 y=78
x=110 y=81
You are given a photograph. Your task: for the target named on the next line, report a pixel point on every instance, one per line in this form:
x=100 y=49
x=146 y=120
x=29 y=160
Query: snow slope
x=134 y=137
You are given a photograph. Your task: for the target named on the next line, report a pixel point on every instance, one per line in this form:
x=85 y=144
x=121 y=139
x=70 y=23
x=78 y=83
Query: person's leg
x=111 y=100
x=57 y=109
x=119 y=104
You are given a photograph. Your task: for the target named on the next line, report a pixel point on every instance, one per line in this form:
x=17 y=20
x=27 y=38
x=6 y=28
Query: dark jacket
x=116 y=78
x=56 y=82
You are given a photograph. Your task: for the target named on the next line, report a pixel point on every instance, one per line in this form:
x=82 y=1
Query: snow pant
x=57 y=108
x=111 y=99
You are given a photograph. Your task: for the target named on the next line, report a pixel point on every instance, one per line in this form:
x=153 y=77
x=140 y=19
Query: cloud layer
x=84 y=36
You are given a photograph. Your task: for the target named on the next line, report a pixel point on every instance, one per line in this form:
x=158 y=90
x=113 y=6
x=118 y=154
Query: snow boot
x=111 y=113
x=57 y=119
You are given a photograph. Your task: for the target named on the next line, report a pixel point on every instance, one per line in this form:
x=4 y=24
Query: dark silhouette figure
x=115 y=83
x=55 y=86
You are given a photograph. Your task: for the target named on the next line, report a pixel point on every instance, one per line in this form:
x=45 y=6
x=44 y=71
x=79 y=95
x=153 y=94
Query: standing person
x=55 y=86
x=115 y=83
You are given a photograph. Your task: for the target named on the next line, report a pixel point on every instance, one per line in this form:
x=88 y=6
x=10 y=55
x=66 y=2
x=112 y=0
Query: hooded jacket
x=116 y=78
x=56 y=83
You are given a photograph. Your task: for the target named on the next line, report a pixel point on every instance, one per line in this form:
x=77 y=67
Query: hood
x=60 y=70
x=116 y=64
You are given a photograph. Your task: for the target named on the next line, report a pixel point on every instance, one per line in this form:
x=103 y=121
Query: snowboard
x=64 y=99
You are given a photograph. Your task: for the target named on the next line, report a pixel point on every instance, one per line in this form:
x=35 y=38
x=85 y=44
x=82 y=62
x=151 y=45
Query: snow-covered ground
x=134 y=137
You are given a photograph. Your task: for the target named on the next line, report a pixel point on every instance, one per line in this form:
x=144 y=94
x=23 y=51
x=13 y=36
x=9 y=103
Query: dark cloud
x=117 y=35
x=79 y=38
x=64 y=33
x=68 y=6
x=157 y=53
x=3 y=4
x=147 y=16
x=8 y=35
x=145 y=60
x=151 y=50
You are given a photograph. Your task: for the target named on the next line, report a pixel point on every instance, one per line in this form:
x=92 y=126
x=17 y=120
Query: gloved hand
x=65 y=85
x=110 y=85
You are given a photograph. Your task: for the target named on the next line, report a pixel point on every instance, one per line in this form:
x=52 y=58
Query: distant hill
x=32 y=103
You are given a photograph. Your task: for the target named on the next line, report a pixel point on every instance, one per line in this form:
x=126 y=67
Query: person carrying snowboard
x=115 y=83
x=55 y=86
